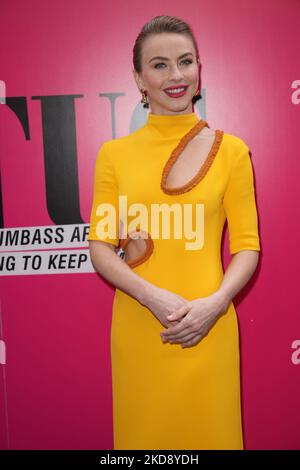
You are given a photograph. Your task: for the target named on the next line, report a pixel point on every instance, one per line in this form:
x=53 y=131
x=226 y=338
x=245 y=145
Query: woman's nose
x=175 y=73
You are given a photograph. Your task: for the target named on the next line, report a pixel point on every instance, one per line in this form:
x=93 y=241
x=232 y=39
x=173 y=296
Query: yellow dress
x=166 y=396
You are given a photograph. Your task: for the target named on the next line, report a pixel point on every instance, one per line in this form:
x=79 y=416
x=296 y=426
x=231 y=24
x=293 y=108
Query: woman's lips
x=175 y=95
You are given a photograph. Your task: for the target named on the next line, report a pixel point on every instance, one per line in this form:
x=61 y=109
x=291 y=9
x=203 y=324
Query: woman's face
x=170 y=70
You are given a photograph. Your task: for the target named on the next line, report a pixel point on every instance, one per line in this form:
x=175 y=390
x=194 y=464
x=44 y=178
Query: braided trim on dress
x=204 y=167
x=144 y=256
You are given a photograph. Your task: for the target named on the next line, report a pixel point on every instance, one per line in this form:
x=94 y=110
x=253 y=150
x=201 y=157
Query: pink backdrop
x=55 y=379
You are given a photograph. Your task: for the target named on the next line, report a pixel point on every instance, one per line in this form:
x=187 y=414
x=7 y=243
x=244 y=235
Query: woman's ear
x=137 y=79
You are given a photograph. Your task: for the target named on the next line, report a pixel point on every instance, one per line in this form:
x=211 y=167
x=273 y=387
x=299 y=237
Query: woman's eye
x=189 y=61
x=160 y=63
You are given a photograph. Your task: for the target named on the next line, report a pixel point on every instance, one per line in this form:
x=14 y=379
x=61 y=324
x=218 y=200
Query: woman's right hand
x=162 y=302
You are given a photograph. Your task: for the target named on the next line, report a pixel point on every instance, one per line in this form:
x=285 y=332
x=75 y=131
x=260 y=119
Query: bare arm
x=159 y=301
x=200 y=314
x=238 y=272
x=106 y=261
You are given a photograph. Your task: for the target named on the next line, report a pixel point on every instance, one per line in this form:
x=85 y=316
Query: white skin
x=190 y=321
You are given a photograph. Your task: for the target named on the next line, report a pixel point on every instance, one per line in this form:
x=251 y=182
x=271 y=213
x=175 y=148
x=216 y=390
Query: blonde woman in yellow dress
x=174 y=334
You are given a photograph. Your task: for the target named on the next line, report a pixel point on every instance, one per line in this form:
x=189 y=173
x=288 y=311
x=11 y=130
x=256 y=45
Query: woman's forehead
x=168 y=45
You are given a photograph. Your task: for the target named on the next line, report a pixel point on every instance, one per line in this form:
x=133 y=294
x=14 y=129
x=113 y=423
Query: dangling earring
x=198 y=93
x=144 y=99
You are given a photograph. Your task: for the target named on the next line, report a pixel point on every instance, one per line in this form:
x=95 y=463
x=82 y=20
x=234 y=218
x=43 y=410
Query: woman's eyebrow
x=166 y=58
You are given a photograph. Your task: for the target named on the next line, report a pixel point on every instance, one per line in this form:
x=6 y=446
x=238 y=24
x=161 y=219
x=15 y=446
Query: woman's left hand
x=198 y=316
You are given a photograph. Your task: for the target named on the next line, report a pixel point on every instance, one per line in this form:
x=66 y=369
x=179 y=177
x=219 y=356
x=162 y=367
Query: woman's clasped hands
x=196 y=317
x=186 y=321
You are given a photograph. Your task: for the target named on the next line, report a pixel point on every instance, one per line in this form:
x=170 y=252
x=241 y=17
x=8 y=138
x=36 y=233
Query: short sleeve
x=104 y=225
x=240 y=205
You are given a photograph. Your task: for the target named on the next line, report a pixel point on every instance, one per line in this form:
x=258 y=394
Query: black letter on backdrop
x=19 y=106
x=60 y=158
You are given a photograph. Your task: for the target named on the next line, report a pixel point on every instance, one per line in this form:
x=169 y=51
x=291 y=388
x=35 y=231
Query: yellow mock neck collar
x=172 y=126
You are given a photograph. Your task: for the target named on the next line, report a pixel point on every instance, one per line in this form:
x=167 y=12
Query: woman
x=174 y=336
